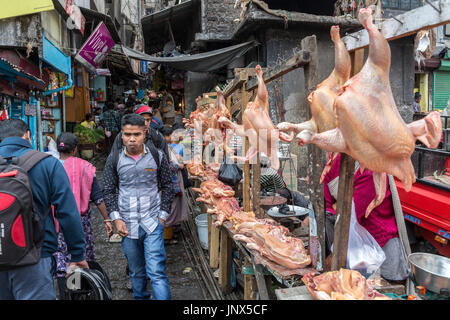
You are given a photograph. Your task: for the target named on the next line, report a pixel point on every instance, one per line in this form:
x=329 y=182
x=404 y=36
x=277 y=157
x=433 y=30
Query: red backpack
x=21 y=226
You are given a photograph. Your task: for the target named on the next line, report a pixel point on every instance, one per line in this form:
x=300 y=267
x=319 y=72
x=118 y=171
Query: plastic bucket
x=202 y=228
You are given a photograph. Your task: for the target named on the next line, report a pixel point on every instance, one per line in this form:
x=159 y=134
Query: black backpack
x=21 y=226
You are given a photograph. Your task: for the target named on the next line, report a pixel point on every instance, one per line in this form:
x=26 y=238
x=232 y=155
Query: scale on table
x=285 y=211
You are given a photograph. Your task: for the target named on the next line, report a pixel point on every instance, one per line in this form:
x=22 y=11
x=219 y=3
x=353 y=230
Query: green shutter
x=441 y=89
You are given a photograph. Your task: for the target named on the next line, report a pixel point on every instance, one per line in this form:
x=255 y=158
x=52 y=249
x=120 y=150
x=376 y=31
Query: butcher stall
x=246 y=246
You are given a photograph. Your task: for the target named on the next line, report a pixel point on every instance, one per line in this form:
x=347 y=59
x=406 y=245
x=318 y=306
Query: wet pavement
x=183 y=286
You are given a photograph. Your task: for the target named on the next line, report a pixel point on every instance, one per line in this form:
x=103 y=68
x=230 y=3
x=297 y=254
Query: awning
x=13 y=73
x=119 y=64
x=202 y=62
x=155 y=26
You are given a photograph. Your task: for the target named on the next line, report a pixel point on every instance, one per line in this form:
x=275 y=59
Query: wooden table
x=220 y=250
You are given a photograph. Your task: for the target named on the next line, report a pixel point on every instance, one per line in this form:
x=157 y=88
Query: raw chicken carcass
x=217 y=132
x=212 y=171
x=195 y=167
x=369 y=126
x=273 y=243
x=257 y=125
x=322 y=99
x=224 y=208
x=200 y=118
x=215 y=188
x=341 y=285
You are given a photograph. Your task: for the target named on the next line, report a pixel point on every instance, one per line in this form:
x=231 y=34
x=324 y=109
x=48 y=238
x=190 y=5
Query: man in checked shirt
x=138 y=208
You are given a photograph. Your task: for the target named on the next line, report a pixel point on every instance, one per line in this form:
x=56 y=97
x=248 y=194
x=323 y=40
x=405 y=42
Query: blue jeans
x=33 y=282
x=147 y=257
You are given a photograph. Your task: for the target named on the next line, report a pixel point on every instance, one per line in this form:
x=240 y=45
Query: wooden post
x=345 y=191
x=225 y=261
x=315 y=163
x=248 y=283
x=246 y=189
x=256 y=187
x=214 y=247
x=228 y=102
x=209 y=230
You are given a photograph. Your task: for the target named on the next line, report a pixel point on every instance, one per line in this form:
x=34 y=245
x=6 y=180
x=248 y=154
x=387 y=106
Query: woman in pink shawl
x=380 y=223
x=85 y=188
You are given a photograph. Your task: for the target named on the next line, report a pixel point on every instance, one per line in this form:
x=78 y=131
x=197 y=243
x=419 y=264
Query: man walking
x=416 y=103
x=111 y=120
x=167 y=106
x=152 y=136
x=138 y=208
x=50 y=186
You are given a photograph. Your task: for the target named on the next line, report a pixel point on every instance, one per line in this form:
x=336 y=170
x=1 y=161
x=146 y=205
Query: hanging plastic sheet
x=202 y=62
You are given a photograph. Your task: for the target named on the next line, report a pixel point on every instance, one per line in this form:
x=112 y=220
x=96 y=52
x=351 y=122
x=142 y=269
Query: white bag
x=52 y=148
x=364 y=254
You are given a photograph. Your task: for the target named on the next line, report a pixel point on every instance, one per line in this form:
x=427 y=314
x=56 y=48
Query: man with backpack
x=151 y=135
x=138 y=194
x=30 y=182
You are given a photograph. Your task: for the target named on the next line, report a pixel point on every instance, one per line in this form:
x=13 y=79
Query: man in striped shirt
x=138 y=209
x=270 y=178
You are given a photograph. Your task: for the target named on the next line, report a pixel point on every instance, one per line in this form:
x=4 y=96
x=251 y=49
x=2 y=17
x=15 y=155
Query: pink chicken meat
x=258 y=126
x=369 y=126
x=321 y=100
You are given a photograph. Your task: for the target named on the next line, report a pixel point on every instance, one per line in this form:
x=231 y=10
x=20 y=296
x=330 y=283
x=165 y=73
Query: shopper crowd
x=141 y=197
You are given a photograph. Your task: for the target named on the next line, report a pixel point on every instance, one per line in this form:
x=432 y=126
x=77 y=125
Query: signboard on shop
x=24 y=7
x=96 y=48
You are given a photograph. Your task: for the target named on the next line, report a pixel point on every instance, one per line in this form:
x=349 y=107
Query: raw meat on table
x=273 y=243
x=341 y=285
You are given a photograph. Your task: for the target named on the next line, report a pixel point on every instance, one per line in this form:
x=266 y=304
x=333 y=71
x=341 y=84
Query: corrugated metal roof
x=18 y=71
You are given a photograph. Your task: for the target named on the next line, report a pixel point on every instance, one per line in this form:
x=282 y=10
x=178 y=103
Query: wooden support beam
x=345 y=191
x=299 y=59
x=225 y=262
x=315 y=163
x=210 y=226
x=248 y=283
x=425 y=17
x=214 y=247
x=236 y=83
x=246 y=189
x=256 y=188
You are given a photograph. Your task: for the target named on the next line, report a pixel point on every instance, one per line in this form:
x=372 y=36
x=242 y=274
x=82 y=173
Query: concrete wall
x=195 y=84
x=18 y=31
x=402 y=75
x=218 y=16
x=290 y=89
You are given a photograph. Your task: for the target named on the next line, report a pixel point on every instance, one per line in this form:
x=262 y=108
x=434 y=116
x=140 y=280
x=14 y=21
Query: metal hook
x=432 y=5
x=395 y=18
